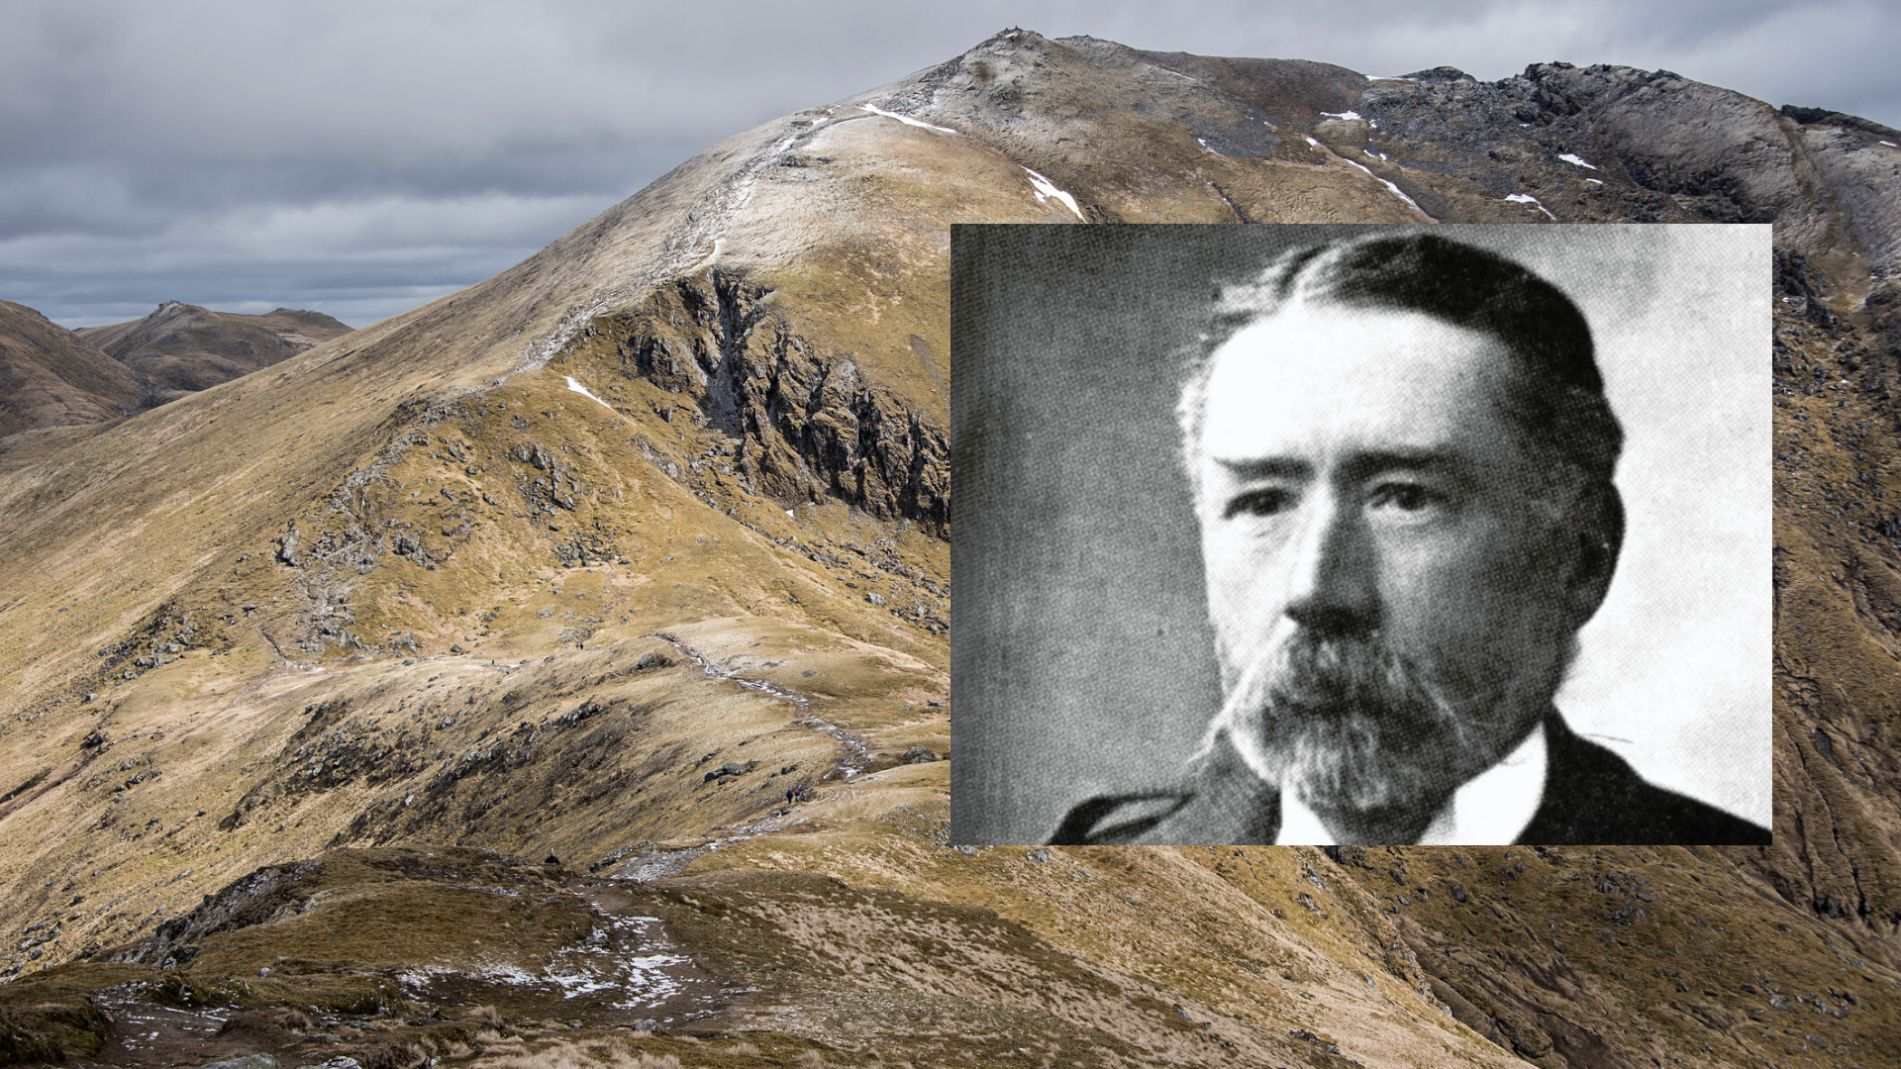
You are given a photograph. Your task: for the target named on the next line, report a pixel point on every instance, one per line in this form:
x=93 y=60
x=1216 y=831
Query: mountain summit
x=52 y=378
x=181 y=348
x=564 y=665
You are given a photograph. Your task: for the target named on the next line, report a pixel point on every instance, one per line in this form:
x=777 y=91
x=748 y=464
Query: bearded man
x=1402 y=463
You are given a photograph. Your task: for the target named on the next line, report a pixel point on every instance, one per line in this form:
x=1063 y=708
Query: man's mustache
x=1307 y=677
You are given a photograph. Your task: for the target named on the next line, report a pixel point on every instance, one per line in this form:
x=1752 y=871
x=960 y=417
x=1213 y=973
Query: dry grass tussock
x=591 y=1057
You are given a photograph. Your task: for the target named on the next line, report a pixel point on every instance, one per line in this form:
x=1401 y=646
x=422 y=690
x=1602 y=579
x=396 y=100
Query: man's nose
x=1331 y=590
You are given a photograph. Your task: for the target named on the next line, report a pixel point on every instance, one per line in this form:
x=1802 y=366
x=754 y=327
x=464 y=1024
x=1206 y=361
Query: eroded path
x=855 y=752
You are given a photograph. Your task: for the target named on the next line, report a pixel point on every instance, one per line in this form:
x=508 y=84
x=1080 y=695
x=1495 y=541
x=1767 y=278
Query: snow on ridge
x=1575 y=160
x=905 y=119
x=1526 y=198
x=1344 y=116
x=706 y=221
x=1046 y=190
x=1311 y=141
x=1396 y=191
x=587 y=393
x=572 y=322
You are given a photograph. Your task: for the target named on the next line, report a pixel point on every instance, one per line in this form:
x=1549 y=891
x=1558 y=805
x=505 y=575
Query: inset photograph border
x=1106 y=690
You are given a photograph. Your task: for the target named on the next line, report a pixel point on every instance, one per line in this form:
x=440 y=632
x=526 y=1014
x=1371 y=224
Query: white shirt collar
x=1493 y=808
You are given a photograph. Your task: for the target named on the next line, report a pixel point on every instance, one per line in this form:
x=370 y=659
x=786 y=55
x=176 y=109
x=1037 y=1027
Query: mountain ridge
x=53 y=378
x=181 y=348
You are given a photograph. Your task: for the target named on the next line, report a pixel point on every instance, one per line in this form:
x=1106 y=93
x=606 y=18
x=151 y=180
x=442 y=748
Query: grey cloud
x=228 y=152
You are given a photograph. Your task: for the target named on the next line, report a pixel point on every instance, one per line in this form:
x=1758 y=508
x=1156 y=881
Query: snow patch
x=598 y=964
x=1204 y=144
x=1526 y=198
x=1595 y=181
x=587 y=393
x=1396 y=191
x=905 y=119
x=1046 y=190
x=1891 y=144
x=1371 y=155
x=1345 y=116
x=1577 y=161
x=1311 y=141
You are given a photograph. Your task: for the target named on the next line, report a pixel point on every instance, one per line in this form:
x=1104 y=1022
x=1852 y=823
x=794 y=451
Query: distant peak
x=1014 y=35
x=1441 y=74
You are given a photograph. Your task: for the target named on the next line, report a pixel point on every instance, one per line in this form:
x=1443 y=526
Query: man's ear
x=1600 y=541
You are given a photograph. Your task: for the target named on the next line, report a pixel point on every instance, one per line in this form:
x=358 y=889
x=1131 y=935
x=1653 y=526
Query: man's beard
x=1349 y=724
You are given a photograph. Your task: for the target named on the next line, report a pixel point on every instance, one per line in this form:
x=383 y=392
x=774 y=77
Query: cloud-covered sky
x=361 y=158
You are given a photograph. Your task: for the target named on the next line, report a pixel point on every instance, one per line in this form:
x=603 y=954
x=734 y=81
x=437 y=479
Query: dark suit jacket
x=1592 y=797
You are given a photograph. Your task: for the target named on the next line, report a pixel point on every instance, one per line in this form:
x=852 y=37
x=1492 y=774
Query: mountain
x=51 y=377
x=181 y=348
x=62 y=385
x=561 y=670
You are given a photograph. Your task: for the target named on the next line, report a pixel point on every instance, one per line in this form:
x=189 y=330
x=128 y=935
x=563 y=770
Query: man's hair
x=1557 y=399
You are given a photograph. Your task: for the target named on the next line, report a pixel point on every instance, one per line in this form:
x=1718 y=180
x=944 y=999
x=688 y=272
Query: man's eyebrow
x=1360 y=466
x=1355 y=468
x=1266 y=467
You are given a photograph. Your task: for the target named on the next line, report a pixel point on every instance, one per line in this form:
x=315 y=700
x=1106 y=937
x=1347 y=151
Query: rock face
x=675 y=487
x=181 y=348
x=1742 y=162
x=51 y=377
x=805 y=423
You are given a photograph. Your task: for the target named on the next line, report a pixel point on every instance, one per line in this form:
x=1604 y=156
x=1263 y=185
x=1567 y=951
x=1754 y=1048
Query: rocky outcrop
x=805 y=422
x=1662 y=147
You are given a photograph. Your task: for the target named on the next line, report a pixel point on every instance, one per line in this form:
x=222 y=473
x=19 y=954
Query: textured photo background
x=1080 y=652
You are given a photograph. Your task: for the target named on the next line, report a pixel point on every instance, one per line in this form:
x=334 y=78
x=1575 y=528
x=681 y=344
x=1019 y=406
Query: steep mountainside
x=51 y=377
x=561 y=669
x=181 y=348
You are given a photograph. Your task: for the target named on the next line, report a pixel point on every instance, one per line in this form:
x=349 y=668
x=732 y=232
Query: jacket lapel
x=1585 y=785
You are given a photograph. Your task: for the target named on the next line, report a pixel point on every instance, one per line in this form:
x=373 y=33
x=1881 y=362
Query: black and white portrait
x=1332 y=534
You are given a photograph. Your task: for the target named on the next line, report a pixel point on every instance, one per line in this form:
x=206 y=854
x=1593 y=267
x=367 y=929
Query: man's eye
x=1404 y=497
x=1262 y=502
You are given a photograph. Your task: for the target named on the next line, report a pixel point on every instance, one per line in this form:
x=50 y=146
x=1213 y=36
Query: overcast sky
x=361 y=158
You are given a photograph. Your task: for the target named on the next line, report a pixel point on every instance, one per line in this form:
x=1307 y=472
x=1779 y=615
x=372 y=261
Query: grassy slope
x=49 y=377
